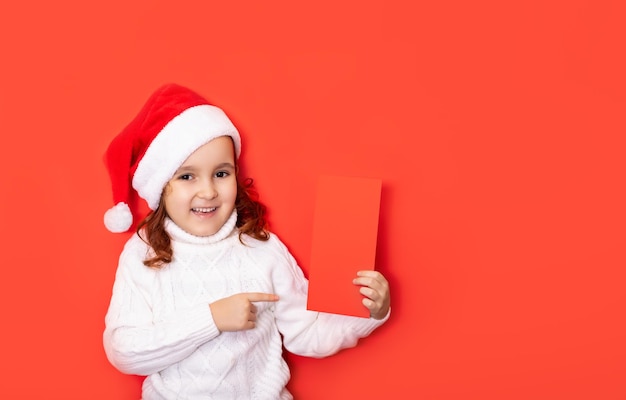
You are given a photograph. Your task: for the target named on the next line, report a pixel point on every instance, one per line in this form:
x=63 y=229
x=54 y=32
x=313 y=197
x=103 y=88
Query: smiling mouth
x=204 y=210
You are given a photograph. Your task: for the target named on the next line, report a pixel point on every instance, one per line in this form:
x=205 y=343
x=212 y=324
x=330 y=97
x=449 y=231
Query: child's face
x=201 y=195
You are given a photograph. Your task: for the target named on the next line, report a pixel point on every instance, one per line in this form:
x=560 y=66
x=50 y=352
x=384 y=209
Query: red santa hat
x=174 y=122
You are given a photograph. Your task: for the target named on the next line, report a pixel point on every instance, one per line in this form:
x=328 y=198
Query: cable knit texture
x=159 y=322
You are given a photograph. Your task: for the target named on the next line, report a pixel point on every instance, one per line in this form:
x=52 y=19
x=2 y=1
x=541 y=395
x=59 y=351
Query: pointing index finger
x=256 y=296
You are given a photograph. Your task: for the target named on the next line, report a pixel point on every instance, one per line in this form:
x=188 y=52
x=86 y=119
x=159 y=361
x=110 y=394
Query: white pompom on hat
x=174 y=122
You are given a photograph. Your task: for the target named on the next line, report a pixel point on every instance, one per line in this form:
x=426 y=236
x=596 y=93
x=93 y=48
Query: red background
x=497 y=128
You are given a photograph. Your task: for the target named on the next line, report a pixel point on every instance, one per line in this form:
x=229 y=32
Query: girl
x=205 y=296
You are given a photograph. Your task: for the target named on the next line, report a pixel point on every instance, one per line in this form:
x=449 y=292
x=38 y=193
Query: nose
x=207 y=190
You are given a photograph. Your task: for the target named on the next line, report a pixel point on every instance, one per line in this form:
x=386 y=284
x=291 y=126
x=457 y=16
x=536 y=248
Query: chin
x=205 y=233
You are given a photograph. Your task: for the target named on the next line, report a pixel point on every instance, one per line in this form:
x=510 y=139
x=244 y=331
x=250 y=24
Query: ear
x=167 y=189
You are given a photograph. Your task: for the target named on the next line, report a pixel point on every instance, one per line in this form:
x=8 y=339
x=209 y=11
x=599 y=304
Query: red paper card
x=345 y=228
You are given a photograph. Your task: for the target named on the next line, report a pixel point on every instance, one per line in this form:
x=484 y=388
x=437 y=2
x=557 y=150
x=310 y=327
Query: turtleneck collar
x=179 y=235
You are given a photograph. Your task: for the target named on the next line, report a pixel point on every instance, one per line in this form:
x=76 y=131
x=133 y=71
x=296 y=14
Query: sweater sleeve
x=312 y=333
x=133 y=341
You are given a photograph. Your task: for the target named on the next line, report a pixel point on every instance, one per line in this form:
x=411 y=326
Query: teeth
x=203 y=210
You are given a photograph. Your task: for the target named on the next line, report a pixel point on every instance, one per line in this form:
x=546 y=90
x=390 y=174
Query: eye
x=222 y=174
x=185 y=177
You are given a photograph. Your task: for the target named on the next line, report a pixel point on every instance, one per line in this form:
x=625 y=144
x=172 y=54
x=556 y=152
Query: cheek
x=232 y=192
x=173 y=198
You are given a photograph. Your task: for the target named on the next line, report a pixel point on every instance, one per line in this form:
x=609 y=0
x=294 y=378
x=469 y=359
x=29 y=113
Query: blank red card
x=345 y=229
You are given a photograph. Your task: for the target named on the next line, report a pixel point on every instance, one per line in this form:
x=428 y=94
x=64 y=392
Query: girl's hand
x=375 y=288
x=237 y=312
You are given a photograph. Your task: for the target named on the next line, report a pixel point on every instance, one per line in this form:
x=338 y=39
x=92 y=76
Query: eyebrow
x=225 y=165
x=218 y=166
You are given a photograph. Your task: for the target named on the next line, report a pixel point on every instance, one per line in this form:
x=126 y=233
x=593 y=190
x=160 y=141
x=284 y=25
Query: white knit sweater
x=159 y=322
